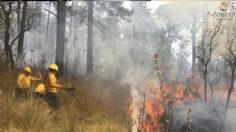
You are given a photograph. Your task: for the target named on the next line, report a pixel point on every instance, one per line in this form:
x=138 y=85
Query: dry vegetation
x=85 y=110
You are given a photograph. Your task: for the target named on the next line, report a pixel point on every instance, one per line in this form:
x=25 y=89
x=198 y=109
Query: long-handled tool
x=69 y=89
x=40 y=76
x=41 y=87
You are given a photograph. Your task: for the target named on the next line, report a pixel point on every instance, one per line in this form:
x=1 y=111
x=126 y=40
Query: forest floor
x=89 y=109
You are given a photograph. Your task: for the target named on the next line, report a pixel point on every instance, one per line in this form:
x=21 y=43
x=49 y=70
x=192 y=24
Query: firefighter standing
x=24 y=82
x=52 y=87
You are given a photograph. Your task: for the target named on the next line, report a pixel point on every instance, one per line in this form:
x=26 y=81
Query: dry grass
x=81 y=111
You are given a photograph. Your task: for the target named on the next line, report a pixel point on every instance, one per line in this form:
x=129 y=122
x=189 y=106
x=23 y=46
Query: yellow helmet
x=53 y=67
x=27 y=69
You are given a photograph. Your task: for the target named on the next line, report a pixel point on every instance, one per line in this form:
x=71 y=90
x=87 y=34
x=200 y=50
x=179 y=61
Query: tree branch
x=51 y=12
x=12 y=42
x=198 y=26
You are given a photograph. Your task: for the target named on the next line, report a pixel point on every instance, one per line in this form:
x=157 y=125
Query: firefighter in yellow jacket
x=52 y=87
x=24 y=82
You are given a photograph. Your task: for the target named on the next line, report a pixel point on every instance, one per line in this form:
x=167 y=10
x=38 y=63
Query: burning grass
x=177 y=107
x=184 y=112
x=98 y=106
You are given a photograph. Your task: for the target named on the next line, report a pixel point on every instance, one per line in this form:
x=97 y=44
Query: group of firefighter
x=46 y=90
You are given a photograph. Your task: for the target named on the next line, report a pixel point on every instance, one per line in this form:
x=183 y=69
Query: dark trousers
x=20 y=92
x=53 y=100
x=38 y=95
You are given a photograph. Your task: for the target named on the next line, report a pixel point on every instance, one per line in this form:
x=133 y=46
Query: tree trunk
x=72 y=6
x=90 y=39
x=8 y=50
x=18 y=16
x=48 y=19
x=46 y=37
x=22 y=28
x=231 y=84
x=225 y=72
x=193 y=36
x=205 y=84
x=61 y=21
x=229 y=93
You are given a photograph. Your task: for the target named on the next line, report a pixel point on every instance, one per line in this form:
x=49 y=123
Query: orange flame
x=154 y=109
x=179 y=94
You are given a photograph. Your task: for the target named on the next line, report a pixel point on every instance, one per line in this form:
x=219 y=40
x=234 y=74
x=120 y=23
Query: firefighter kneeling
x=39 y=92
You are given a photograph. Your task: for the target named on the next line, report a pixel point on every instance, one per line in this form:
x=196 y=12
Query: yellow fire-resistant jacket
x=24 y=81
x=40 y=89
x=52 y=85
